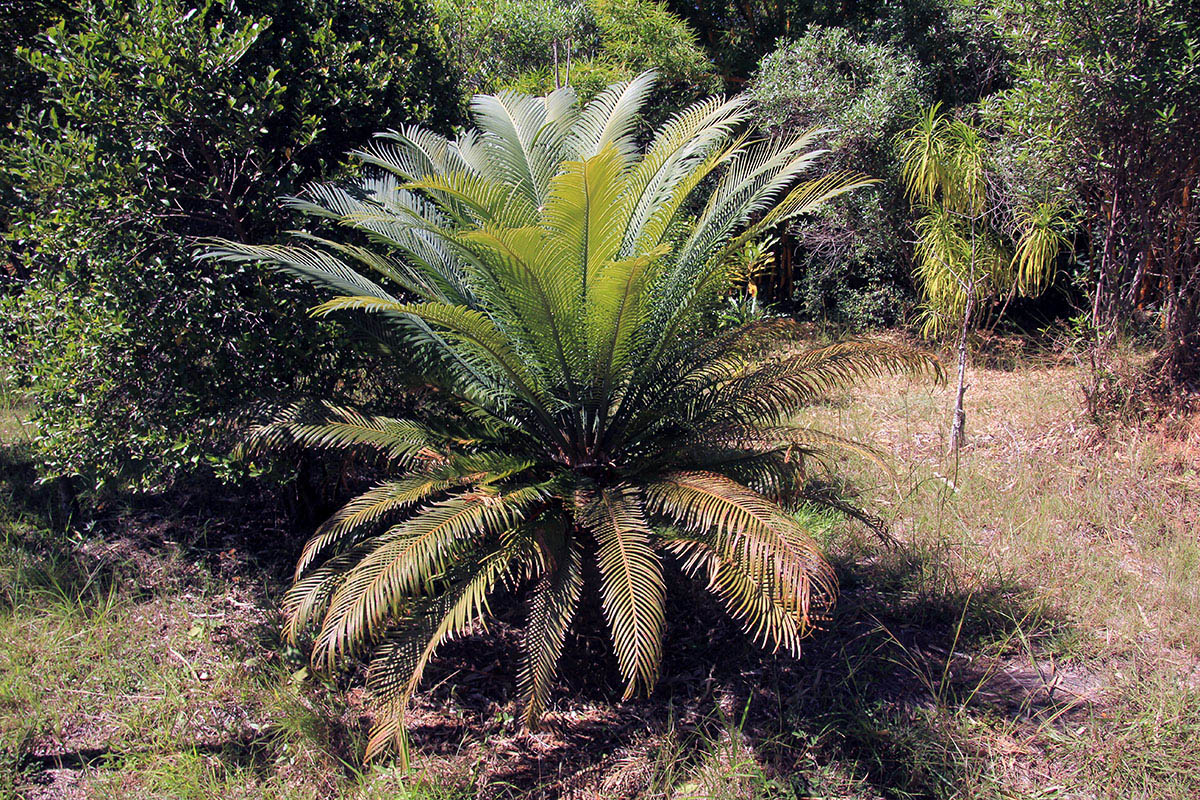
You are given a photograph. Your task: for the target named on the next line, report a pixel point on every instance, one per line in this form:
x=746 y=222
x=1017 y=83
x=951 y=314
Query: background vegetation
x=1052 y=561
x=137 y=125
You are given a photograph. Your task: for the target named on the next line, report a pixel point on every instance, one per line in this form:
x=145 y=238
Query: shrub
x=547 y=277
x=156 y=123
x=854 y=264
x=529 y=45
x=1106 y=111
x=496 y=41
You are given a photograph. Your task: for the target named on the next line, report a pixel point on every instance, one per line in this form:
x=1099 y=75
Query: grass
x=1032 y=633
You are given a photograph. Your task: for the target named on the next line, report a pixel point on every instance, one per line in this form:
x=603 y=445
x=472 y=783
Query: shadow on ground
x=874 y=697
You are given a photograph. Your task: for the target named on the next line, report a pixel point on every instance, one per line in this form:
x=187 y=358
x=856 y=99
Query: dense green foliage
x=154 y=123
x=138 y=124
x=558 y=290
x=853 y=260
x=1106 y=106
x=20 y=21
x=498 y=41
x=539 y=45
x=947 y=37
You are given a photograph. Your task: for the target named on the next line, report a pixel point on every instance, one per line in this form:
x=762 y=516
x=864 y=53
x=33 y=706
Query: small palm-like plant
x=961 y=257
x=551 y=280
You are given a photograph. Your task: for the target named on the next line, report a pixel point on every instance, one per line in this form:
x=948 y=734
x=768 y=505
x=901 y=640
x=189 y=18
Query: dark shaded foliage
x=155 y=123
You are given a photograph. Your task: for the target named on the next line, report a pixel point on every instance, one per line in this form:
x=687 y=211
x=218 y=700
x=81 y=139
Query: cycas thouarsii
x=554 y=281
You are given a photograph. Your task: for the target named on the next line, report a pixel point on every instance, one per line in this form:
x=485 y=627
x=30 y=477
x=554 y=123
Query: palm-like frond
x=553 y=600
x=750 y=530
x=330 y=427
x=555 y=280
x=407 y=560
x=960 y=257
x=748 y=600
x=399 y=664
x=631 y=583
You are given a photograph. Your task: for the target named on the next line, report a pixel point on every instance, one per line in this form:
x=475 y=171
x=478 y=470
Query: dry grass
x=1099 y=529
x=1033 y=633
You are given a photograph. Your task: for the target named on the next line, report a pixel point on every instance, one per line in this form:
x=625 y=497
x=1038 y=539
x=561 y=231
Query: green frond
x=751 y=531
x=584 y=216
x=615 y=314
x=552 y=602
x=476 y=199
x=397 y=668
x=545 y=294
x=510 y=122
x=465 y=325
x=723 y=444
x=395 y=270
x=676 y=161
x=408 y=558
x=412 y=152
x=610 y=119
x=306 y=263
x=330 y=427
x=749 y=601
x=804 y=199
x=663 y=201
x=631 y=584
x=381 y=502
x=773 y=392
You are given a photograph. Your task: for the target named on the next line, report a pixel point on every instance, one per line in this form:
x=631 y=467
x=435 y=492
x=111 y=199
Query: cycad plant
x=961 y=251
x=554 y=284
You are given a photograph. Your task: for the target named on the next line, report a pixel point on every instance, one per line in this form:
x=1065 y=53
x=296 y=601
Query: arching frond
x=307 y=263
x=773 y=392
x=736 y=441
x=386 y=500
x=412 y=152
x=750 y=530
x=552 y=602
x=331 y=427
x=632 y=588
x=749 y=601
x=399 y=664
x=610 y=118
x=468 y=326
x=408 y=558
x=509 y=123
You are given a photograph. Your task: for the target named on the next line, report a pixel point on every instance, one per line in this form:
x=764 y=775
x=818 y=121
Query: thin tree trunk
x=958 y=427
x=1104 y=278
x=554 y=49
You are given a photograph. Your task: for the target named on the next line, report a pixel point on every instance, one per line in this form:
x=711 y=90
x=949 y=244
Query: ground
x=1031 y=630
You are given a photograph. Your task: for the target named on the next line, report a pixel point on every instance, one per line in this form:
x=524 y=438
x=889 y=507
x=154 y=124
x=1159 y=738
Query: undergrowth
x=1030 y=632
